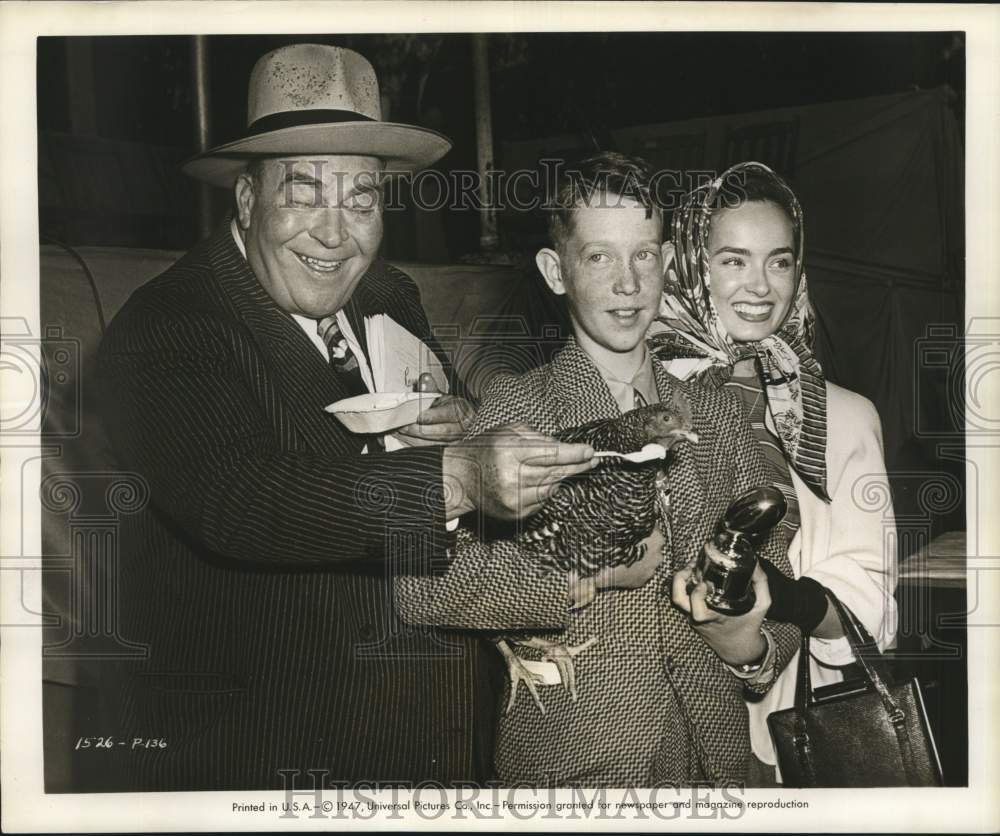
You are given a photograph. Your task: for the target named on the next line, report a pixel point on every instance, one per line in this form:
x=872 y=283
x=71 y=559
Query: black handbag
x=867 y=732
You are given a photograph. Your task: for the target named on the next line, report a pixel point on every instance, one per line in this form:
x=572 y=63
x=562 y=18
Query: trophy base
x=727 y=606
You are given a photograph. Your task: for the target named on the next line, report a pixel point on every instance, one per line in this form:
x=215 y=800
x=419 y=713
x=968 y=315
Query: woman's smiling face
x=752 y=264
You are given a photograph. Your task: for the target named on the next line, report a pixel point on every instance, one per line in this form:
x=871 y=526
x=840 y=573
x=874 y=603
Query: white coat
x=848 y=545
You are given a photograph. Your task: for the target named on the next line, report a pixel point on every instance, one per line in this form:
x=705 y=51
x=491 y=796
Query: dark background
x=130 y=99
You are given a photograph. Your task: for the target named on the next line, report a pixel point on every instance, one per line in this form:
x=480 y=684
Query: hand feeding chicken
x=600 y=520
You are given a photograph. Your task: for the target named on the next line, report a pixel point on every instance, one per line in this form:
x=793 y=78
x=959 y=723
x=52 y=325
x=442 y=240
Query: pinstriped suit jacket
x=259 y=575
x=656 y=705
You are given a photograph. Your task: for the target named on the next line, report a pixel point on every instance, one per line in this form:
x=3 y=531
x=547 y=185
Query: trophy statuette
x=726 y=563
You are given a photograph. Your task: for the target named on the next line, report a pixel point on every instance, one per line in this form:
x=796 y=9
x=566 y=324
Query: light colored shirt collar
x=624 y=391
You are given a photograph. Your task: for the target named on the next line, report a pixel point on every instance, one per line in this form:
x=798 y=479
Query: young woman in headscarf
x=736 y=314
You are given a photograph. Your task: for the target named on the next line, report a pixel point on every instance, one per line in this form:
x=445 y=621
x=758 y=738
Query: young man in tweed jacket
x=659 y=679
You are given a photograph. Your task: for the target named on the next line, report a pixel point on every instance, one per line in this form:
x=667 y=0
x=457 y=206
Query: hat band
x=293 y=118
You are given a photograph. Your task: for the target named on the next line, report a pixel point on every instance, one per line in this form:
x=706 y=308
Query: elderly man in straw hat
x=259 y=574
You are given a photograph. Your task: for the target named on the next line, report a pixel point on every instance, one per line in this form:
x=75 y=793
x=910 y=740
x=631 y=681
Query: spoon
x=646 y=454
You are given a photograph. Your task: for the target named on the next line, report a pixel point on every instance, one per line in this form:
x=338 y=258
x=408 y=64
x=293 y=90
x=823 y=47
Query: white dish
x=381 y=412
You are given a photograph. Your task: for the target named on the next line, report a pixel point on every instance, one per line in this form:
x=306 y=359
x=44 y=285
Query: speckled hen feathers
x=599 y=519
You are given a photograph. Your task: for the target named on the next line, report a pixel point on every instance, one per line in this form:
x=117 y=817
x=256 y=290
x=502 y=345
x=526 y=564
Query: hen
x=598 y=520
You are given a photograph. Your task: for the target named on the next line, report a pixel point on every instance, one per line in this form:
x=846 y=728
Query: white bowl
x=380 y=412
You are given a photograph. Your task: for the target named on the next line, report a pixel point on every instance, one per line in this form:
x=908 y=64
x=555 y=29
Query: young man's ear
x=551 y=270
x=244 y=193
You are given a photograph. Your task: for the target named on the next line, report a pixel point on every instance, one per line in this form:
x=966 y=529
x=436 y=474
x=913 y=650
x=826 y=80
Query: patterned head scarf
x=689 y=326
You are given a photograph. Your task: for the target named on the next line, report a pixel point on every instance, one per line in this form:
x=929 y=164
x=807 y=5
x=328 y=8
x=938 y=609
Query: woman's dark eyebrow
x=746 y=253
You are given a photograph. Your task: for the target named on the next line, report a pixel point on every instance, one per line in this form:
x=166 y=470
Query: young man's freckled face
x=611 y=270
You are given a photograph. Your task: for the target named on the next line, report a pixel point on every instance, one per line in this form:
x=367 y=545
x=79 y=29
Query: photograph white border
x=25 y=806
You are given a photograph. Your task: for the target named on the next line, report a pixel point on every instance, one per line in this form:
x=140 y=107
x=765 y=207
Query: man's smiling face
x=312 y=226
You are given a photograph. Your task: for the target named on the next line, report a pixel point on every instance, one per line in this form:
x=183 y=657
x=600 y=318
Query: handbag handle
x=876 y=672
x=873 y=665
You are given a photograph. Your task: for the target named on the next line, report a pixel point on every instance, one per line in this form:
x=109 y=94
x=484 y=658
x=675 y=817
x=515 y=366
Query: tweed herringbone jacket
x=656 y=705
x=258 y=576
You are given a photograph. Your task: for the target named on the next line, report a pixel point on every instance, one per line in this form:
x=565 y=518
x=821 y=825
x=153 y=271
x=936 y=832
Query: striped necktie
x=345 y=364
x=342 y=359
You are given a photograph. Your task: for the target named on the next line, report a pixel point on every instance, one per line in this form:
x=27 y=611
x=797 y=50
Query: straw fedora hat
x=315 y=99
